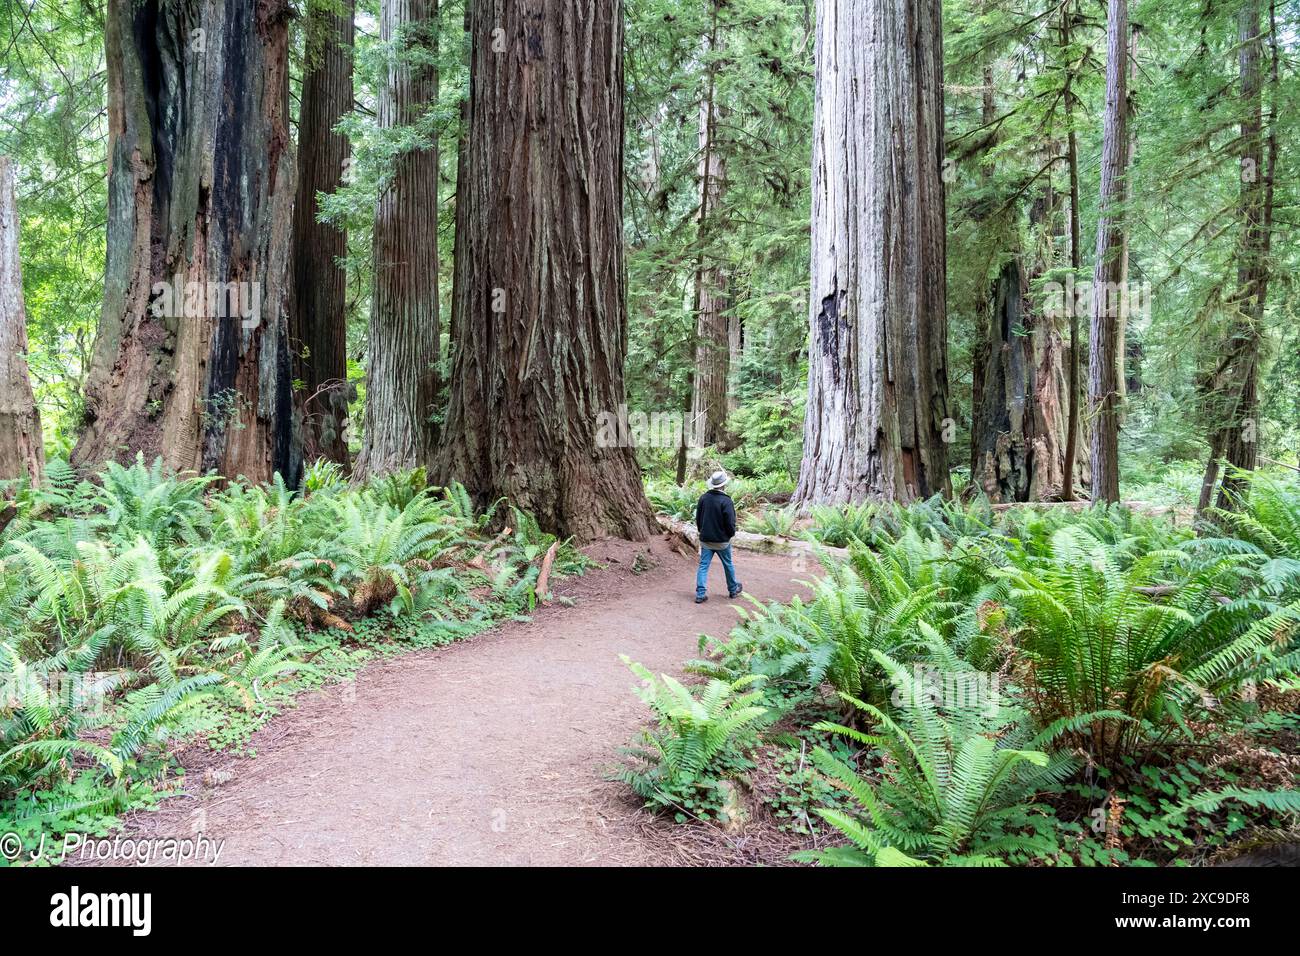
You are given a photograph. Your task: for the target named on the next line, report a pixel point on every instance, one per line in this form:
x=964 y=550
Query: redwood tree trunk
x=1072 y=425
x=192 y=362
x=403 y=338
x=318 y=328
x=22 y=448
x=1103 y=358
x=462 y=177
x=1121 y=343
x=712 y=335
x=540 y=279
x=1241 y=431
x=877 y=375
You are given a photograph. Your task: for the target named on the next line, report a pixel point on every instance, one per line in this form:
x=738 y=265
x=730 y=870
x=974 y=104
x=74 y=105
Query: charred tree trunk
x=403 y=337
x=1000 y=452
x=541 y=279
x=712 y=339
x=1019 y=435
x=1103 y=358
x=22 y=447
x=192 y=361
x=318 y=328
x=877 y=376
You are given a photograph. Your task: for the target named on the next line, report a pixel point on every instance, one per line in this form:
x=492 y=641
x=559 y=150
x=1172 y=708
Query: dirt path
x=489 y=751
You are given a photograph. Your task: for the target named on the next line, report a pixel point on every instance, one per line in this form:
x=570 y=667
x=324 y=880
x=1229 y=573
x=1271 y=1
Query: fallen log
x=748 y=541
x=1141 y=507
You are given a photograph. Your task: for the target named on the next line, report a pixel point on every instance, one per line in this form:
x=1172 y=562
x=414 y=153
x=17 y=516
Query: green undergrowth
x=1040 y=686
x=146 y=612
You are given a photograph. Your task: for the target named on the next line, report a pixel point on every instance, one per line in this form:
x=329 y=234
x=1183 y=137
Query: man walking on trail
x=715 y=519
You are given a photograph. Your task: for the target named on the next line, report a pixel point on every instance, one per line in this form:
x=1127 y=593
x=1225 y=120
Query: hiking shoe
x=701 y=600
x=737 y=592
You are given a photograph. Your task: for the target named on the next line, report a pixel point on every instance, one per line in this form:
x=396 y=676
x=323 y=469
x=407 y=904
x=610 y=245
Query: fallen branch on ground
x=544 y=575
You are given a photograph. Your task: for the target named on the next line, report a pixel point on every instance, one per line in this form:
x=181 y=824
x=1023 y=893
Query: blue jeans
x=702 y=577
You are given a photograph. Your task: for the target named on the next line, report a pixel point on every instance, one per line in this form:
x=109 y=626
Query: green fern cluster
x=955 y=784
x=700 y=740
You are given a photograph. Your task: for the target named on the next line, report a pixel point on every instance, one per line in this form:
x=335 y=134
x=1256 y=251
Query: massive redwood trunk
x=542 y=314
x=318 y=328
x=403 y=340
x=877 y=369
x=1108 y=271
x=192 y=361
x=22 y=449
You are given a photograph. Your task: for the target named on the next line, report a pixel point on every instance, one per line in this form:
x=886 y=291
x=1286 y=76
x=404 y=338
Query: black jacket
x=715 y=517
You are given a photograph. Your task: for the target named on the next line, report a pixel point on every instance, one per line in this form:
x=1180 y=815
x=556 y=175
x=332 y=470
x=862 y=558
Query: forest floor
x=489 y=751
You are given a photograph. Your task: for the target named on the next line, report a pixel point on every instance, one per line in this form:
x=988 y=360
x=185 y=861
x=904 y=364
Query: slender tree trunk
x=1240 y=434
x=736 y=350
x=318 y=328
x=541 y=277
x=1125 y=300
x=712 y=339
x=22 y=447
x=192 y=359
x=1210 y=477
x=877 y=378
x=403 y=339
x=1103 y=363
x=454 y=334
x=985 y=310
x=1076 y=263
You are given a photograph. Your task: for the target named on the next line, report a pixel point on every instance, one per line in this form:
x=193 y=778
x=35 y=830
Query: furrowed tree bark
x=403 y=336
x=1103 y=363
x=541 y=277
x=22 y=446
x=191 y=361
x=318 y=328
x=709 y=406
x=878 y=380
